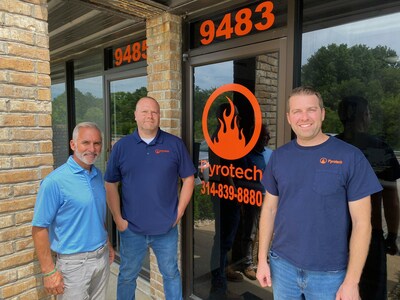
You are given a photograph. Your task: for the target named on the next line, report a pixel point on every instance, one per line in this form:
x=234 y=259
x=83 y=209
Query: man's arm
x=360 y=212
x=53 y=283
x=266 y=229
x=391 y=209
x=114 y=204
x=185 y=196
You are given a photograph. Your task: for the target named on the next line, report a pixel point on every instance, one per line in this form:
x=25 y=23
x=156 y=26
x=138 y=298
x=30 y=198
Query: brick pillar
x=25 y=140
x=164 y=77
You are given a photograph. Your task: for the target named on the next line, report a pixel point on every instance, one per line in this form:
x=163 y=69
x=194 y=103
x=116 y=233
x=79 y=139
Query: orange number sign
x=242 y=24
x=130 y=53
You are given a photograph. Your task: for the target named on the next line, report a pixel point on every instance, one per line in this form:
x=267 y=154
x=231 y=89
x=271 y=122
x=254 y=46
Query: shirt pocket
x=326 y=182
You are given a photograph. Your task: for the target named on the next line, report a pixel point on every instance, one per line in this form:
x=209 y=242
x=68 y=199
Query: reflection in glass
x=59 y=124
x=124 y=95
x=356 y=69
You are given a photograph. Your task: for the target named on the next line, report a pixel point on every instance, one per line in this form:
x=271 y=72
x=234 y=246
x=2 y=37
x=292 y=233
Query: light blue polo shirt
x=149 y=174
x=72 y=203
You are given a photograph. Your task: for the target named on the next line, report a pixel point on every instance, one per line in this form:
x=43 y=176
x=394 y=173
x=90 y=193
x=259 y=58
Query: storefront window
x=59 y=115
x=356 y=68
x=89 y=99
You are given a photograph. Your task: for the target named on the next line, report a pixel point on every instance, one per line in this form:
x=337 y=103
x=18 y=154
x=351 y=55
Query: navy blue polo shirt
x=149 y=174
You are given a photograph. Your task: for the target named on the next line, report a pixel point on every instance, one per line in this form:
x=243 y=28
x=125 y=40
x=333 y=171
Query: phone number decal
x=224 y=191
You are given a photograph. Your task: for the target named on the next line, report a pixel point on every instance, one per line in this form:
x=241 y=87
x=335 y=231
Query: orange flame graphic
x=230 y=139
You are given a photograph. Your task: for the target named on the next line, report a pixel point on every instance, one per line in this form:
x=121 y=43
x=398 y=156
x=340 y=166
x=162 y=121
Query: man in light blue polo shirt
x=69 y=219
x=149 y=163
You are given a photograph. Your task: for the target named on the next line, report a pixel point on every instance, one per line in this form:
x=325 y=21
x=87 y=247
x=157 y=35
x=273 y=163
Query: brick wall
x=25 y=140
x=164 y=77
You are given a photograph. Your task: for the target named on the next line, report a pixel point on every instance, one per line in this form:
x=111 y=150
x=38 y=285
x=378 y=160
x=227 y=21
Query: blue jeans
x=133 y=250
x=292 y=283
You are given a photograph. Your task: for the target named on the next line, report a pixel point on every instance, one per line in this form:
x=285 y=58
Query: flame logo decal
x=230 y=143
x=230 y=139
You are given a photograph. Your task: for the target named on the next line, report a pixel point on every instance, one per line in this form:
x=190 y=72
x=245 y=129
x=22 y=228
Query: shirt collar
x=76 y=168
x=157 y=140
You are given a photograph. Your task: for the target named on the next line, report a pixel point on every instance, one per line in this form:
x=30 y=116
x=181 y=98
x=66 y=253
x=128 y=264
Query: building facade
x=67 y=61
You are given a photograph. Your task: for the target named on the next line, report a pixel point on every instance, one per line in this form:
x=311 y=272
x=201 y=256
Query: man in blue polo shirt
x=148 y=164
x=69 y=219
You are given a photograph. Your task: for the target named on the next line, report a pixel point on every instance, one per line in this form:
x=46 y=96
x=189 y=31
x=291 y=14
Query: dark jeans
x=227 y=217
x=373 y=278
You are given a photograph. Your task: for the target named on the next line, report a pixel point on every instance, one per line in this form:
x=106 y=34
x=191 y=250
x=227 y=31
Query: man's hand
x=264 y=274
x=54 y=284
x=111 y=253
x=122 y=225
x=348 y=292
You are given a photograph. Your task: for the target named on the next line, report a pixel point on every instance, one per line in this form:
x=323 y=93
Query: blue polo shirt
x=71 y=202
x=149 y=174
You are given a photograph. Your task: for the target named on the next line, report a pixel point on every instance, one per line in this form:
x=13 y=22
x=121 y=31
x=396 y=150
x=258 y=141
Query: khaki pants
x=85 y=274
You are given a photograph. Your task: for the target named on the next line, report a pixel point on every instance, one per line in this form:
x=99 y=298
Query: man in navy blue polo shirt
x=148 y=164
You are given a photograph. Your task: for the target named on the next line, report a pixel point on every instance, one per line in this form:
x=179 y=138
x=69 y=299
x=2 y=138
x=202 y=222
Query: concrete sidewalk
x=142 y=290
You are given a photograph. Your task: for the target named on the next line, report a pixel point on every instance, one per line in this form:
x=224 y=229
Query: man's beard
x=81 y=157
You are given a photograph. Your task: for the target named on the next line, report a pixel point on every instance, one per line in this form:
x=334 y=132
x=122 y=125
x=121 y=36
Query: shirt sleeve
x=48 y=201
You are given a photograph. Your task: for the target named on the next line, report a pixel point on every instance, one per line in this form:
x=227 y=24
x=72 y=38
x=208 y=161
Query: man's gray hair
x=85 y=125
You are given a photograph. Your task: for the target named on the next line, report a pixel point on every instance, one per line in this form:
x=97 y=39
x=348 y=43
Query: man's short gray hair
x=85 y=125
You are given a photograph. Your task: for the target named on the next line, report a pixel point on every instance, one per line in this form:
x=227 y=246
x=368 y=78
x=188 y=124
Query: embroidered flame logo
x=229 y=142
x=229 y=139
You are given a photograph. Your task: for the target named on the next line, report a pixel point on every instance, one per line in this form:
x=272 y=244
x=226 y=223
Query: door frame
x=283 y=129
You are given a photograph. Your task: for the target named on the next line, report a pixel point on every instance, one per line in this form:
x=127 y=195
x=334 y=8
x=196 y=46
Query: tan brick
x=16 y=64
x=18 y=287
x=25 y=189
x=17 y=204
x=6 y=90
x=25 y=79
x=6 y=221
x=18 y=7
x=29 y=106
x=28 y=51
x=35 y=294
x=14 y=233
x=44 y=94
x=40 y=12
x=43 y=120
x=42 y=40
x=15 y=120
x=5 y=163
x=17 y=148
x=24 y=244
x=32 y=161
x=18 y=176
x=4 y=134
x=20 y=134
x=45 y=147
x=25 y=22
x=43 y=80
x=6 y=249
x=29 y=270
x=44 y=171
x=43 y=67
x=3 y=76
x=25 y=36
x=23 y=217
x=8 y=277
x=5 y=192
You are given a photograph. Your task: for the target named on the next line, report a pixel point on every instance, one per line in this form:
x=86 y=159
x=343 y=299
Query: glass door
x=122 y=96
x=238 y=108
